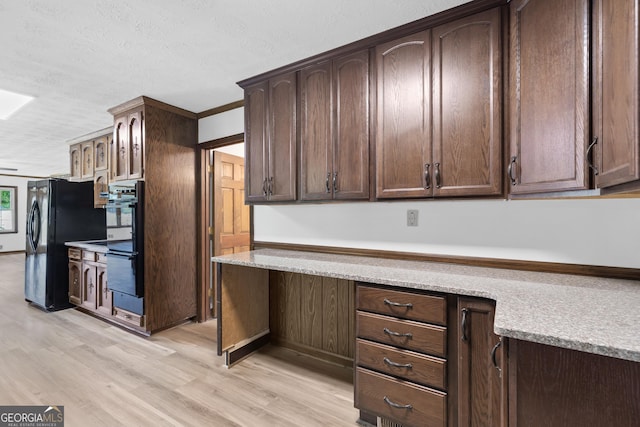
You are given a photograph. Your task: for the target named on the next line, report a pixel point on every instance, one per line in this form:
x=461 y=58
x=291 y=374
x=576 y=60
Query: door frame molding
x=203 y=213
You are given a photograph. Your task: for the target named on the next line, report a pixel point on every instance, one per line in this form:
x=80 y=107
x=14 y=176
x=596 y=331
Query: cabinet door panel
x=89 y=286
x=467 y=100
x=255 y=102
x=87 y=159
x=119 y=149
x=403 y=144
x=480 y=392
x=75 y=282
x=316 y=133
x=549 y=94
x=351 y=152
x=616 y=91
x=136 y=145
x=282 y=137
x=75 y=157
x=101 y=153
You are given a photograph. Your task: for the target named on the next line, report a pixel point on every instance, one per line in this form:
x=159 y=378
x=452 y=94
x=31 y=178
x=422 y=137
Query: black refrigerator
x=59 y=211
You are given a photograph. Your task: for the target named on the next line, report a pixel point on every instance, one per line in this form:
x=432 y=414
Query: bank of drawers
x=401 y=351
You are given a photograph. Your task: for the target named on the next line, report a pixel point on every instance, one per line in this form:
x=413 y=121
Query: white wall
x=594 y=232
x=16 y=241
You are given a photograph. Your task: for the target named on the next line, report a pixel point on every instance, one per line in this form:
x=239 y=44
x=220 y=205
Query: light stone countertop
x=90 y=245
x=590 y=314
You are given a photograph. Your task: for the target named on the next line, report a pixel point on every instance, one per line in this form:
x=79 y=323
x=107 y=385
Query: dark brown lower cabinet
x=555 y=387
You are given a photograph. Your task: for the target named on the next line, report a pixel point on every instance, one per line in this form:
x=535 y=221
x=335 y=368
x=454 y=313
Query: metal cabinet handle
x=326 y=183
x=427 y=177
x=397 y=304
x=463 y=325
x=271 y=186
x=589 y=162
x=396 y=405
x=397 y=334
x=397 y=365
x=335 y=182
x=511 y=169
x=437 y=174
x=264 y=187
x=493 y=357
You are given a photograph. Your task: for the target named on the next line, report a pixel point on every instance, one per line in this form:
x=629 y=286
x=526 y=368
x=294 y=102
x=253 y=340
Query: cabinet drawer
x=406 y=305
x=429 y=339
x=88 y=255
x=127 y=316
x=75 y=253
x=426 y=370
x=386 y=397
x=100 y=257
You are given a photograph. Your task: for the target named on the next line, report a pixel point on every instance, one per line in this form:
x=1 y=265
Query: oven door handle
x=128 y=255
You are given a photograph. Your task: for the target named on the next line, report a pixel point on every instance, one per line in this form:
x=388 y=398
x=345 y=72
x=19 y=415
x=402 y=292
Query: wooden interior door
x=231 y=215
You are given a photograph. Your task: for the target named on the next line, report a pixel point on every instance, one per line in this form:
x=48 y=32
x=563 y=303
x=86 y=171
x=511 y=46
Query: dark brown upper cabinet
x=615 y=93
x=334 y=129
x=270 y=140
x=549 y=85
x=439 y=129
x=467 y=106
x=403 y=128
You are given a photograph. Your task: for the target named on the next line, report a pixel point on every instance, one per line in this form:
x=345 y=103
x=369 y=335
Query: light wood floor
x=105 y=376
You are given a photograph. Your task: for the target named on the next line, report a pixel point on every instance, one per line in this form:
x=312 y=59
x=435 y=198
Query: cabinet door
x=615 y=92
x=549 y=87
x=104 y=299
x=100 y=186
x=403 y=137
x=75 y=282
x=481 y=394
x=282 y=138
x=101 y=149
x=119 y=149
x=89 y=286
x=467 y=106
x=87 y=159
x=255 y=140
x=351 y=143
x=316 y=133
x=136 y=145
x=75 y=159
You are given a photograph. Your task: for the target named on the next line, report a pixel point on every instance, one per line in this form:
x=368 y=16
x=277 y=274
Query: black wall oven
x=125 y=242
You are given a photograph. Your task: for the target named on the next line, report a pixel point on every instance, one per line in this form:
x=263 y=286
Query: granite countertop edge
x=530 y=306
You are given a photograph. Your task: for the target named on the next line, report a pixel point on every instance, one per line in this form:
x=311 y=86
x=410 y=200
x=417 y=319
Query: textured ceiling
x=79 y=57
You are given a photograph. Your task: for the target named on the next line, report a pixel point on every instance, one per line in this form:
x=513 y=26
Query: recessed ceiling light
x=10 y=102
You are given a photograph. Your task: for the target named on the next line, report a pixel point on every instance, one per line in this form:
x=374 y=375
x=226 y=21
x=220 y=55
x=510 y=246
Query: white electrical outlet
x=412 y=218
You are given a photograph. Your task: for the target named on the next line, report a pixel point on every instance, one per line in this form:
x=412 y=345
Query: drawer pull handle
x=396 y=405
x=397 y=365
x=398 y=334
x=397 y=304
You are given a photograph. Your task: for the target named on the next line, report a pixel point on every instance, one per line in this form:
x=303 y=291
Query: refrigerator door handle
x=34 y=226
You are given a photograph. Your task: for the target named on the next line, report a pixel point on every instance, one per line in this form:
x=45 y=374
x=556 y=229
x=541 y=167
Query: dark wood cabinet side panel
x=556 y=387
x=170 y=222
x=467 y=106
x=351 y=153
x=403 y=144
x=316 y=132
x=313 y=314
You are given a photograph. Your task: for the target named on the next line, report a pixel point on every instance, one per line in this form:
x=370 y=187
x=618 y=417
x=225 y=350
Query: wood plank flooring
x=105 y=376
